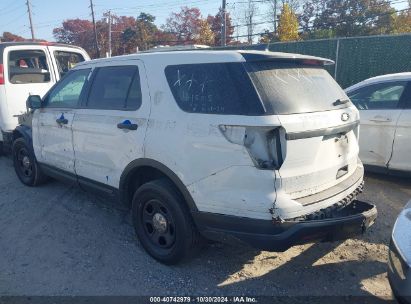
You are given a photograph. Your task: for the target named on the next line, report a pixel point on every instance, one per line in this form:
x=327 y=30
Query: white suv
x=258 y=146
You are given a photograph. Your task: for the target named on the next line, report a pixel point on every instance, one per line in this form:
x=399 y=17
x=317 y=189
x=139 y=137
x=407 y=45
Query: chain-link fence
x=356 y=58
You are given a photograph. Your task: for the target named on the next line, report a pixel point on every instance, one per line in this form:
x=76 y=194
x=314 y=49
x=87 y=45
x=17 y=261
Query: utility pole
x=95 y=30
x=275 y=17
x=109 y=33
x=224 y=24
x=249 y=15
x=30 y=18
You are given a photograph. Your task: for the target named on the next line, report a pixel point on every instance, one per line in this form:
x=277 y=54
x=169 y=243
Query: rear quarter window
x=213 y=88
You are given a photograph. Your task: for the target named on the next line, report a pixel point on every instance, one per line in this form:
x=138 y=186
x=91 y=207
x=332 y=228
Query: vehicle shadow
x=339 y=270
x=322 y=269
x=404 y=180
x=68 y=242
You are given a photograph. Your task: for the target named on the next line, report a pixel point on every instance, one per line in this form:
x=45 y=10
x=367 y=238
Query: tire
x=163 y=223
x=25 y=164
x=1 y=148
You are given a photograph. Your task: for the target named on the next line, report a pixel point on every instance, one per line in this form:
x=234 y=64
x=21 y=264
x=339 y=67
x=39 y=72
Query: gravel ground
x=59 y=240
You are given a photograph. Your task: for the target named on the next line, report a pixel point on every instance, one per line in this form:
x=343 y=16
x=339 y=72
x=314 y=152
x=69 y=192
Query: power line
x=164 y=6
x=327 y=24
x=14 y=19
x=6 y=7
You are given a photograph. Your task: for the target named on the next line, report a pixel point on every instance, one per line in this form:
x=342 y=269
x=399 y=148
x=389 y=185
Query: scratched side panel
x=221 y=176
x=102 y=150
x=215 y=171
x=54 y=140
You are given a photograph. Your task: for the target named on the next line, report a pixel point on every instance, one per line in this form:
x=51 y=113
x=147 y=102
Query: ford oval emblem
x=345 y=117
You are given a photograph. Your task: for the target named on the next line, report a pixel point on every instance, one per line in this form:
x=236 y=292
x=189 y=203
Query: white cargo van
x=30 y=68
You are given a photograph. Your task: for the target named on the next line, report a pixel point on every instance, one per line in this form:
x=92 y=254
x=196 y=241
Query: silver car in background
x=399 y=270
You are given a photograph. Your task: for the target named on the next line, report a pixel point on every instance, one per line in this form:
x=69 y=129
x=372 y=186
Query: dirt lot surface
x=59 y=240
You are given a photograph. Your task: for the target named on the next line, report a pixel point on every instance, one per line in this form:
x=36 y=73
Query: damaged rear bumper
x=354 y=219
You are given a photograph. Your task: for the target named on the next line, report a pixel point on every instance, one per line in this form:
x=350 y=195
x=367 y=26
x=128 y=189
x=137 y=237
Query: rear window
x=287 y=88
x=28 y=66
x=67 y=60
x=213 y=88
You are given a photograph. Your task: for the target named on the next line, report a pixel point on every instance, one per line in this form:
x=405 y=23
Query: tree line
x=291 y=20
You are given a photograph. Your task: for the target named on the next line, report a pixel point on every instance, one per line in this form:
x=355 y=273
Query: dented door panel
x=377 y=135
x=55 y=144
x=102 y=149
x=316 y=163
x=402 y=143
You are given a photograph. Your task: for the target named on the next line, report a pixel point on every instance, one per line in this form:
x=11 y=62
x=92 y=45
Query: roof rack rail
x=173 y=48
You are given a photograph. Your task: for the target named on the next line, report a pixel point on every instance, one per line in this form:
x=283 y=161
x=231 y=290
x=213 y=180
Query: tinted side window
x=380 y=96
x=67 y=92
x=28 y=66
x=213 y=88
x=115 y=88
x=67 y=60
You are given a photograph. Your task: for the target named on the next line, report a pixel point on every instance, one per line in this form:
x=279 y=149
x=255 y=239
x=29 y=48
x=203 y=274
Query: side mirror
x=33 y=102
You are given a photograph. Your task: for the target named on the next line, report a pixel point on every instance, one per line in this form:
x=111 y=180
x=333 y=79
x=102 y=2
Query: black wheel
x=25 y=164
x=1 y=148
x=163 y=223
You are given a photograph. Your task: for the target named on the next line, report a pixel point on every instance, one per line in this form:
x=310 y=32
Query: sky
x=49 y=14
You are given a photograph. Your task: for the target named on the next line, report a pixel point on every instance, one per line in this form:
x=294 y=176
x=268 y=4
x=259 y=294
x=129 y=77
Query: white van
x=258 y=146
x=30 y=68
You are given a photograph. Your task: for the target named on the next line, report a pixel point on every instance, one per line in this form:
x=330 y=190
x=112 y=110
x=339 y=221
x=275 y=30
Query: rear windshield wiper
x=341 y=101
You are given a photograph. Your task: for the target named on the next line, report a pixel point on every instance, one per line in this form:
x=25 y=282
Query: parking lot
x=59 y=240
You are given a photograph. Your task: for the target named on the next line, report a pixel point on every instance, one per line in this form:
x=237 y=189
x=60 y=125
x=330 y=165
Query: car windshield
x=294 y=88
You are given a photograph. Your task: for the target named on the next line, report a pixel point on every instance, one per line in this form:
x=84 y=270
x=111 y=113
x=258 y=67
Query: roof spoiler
x=286 y=57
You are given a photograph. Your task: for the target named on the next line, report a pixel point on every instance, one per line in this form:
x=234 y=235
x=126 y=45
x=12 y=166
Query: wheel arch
x=143 y=170
x=26 y=133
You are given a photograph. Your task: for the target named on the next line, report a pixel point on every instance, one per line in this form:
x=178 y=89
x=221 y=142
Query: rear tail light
x=263 y=144
x=1 y=74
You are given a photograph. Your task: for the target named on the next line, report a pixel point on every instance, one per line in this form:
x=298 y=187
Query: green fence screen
x=356 y=58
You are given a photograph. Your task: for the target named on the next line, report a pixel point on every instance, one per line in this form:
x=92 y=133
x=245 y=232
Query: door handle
x=380 y=119
x=127 y=125
x=62 y=121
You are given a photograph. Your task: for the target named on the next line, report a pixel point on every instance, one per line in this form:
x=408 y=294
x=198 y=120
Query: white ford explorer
x=258 y=146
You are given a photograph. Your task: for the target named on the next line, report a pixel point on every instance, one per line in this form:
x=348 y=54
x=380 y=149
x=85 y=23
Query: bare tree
x=249 y=15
